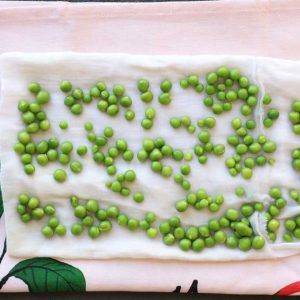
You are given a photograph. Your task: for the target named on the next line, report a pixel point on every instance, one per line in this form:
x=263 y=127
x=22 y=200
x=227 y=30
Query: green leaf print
x=42 y=274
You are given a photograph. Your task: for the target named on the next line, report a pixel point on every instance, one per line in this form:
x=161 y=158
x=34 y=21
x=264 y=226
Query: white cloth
x=277 y=77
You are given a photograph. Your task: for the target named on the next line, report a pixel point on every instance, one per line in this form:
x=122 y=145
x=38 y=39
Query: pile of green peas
x=273 y=211
x=231 y=230
x=272 y=114
x=185 y=121
x=201 y=150
x=117 y=185
x=108 y=102
x=192 y=81
x=294 y=116
x=143 y=86
x=296 y=159
x=147 y=122
x=165 y=97
x=295 y=195
x=155 y=151
x=29 y=208
x=100 y=141
x=292 y=226
x=225 y=86
x=35 y=120
x=99 y=220
x=245 y=144
x=200 y=200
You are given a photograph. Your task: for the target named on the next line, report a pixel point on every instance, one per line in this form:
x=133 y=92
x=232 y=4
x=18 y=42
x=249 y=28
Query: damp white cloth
x=279 y=78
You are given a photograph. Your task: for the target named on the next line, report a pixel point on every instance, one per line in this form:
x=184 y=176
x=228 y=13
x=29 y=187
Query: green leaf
x=47 y=275
x=1 y=203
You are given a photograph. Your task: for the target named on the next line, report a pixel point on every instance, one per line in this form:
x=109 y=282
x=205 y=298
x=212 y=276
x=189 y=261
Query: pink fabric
x=262 y=27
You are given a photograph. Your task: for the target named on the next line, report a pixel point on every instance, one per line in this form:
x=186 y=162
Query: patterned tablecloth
x=264 y=28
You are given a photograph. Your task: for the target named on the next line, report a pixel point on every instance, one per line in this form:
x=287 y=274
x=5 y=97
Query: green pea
x=232 y=242
x=42 y=97
x=175 y=122
x=219 y=149
x=129 y=176
x=191 y=233
x=138 y=197
x=181 y=205
x=112 y=212
x=49 y=210
x=267 y=99
x=53 y=222
x=133 y=224
x=76 y=229
x=251 y=101
x=185 y=169
x=21 y=209
x=147 y=97
x=156 y=166
x=143 y=85
x=101 y=214
x=60 y=175
x=269 y=147
x=244 y=244
x=290 y=225
x=185 y=244
x=209 y=242
x=60 y=230
x=47 y=231
x=105 y=226
x=19 y=148
x=42 y=159
x=126 y=101
x=87 y=98
x=220 y=237
x=142 y=155
x=208 y=101
x=242 y=93
x=116 y=186
x=184 y=83
x=202 y=159
x=273 y=225
x=178 y=178
x=24 y=137
x=165 y=98
x=122 y=220
x=166 y=171
x=152 y=233
x=112 y=110
x=204 y=136
x=66 y=86
x=34 y=107
x=147 y=123
x=287 y=238
x=177 y=155
x=102 y=105
x=166 y=86
x=129 y=115
x=118 y=90
x=217 y=108
x=232 y=214
x=193 y=80
x=210 y=89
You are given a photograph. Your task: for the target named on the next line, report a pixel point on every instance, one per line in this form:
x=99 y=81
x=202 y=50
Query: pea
x=47 y=231
x=138 y=197
x=133 y=224
x=185 y=244
x=60 y=175
x=77 y=229
x=147 y=97
x=129 y=115
x=152 y=233
x=165 y=98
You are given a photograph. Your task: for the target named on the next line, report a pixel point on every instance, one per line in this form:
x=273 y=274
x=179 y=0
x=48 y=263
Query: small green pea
x=66 y=86
x=143 y=85
x=129 y=115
